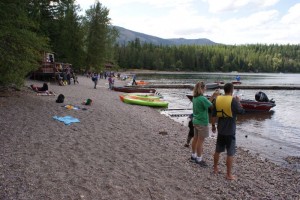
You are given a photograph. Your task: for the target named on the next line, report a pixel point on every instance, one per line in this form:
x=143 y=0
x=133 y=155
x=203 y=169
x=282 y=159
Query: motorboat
x=212 y=85
x=251 y=105
x=134 y=90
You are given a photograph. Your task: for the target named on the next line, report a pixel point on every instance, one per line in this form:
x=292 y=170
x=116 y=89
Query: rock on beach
x=115 y=152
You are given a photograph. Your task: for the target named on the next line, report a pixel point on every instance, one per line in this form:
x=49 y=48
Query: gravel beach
x=116 y=151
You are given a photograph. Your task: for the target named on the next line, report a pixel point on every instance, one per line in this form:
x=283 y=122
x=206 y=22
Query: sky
x=222 y=21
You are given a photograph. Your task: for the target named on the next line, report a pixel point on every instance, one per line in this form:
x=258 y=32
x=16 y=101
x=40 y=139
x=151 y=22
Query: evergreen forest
x=88 y=41
x=210 y=58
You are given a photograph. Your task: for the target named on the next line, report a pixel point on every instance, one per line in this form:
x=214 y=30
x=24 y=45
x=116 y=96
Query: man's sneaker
x=193 y=159
x=202 y=163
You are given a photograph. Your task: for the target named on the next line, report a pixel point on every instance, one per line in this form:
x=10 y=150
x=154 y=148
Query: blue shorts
x=226 y=142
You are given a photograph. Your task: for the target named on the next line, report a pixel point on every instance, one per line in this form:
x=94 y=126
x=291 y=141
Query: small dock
x=241 y=86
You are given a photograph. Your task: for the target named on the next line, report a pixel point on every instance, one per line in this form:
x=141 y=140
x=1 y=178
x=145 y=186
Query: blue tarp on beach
x=67 y=119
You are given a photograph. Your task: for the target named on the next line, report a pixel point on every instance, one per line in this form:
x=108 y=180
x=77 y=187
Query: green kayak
x=145 y=102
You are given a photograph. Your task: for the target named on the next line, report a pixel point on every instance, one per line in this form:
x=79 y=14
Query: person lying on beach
x=40 y=89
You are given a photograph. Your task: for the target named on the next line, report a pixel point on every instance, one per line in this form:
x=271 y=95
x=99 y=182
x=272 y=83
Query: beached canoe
x=251 y=105
x=134 y=90
x=143 y=102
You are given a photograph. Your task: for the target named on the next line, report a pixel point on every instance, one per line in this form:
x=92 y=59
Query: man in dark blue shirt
x=225 y=109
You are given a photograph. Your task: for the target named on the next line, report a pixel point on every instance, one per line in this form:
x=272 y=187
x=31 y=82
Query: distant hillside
x=128 y=35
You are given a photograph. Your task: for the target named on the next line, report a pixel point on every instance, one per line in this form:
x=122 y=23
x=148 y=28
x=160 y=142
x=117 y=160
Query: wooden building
x=49 y=69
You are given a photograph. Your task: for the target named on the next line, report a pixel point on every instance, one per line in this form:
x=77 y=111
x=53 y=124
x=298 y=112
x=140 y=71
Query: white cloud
x=216 y=6
x=293 y=15
x=253 y=21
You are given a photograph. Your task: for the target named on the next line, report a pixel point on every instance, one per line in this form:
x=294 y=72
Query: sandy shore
x=116 y=152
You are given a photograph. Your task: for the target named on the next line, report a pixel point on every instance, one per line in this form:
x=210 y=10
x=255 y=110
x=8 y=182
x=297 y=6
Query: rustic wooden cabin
x=49 y=69
x=108 y=66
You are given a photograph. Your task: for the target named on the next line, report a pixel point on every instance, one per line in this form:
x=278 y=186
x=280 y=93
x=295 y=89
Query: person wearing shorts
x=226 y=142
x=226 y=109
x=200 y=121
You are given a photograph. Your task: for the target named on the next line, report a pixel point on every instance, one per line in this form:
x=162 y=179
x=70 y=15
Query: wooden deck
x=251 y=87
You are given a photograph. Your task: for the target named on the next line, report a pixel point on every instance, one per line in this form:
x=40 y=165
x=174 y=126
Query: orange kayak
x=141 y=83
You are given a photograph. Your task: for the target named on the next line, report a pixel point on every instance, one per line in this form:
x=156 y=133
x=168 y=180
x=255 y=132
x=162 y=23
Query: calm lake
x=274 y=135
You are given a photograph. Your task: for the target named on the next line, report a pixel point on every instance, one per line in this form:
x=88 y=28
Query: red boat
x=236 y=82
x=134 y=90
x=251 y=105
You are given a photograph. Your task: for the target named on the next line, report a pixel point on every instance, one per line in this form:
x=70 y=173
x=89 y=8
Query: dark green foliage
x=69 y=46
x=30 y=27
x=20 y=46
x=100 y=37
x=220 y=58
x=58 y=20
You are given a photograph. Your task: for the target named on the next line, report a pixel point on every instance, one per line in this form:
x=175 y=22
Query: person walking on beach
x=226 y=108
x=95 y=80
x=200 y=121
x=110 y=82
x=134 y=80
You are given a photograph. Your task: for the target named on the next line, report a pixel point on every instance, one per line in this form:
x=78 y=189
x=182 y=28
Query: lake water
x=274 y=135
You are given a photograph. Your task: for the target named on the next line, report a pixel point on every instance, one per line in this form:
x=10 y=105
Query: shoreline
x=117 y=151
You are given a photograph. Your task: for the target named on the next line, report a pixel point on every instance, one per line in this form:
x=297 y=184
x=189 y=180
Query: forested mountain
x=126 y=36
x=30 y=28
x=141 y=51
x=209 y=58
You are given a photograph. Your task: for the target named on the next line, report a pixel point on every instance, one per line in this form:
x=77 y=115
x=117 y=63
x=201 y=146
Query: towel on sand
x=46 y=93
x=71 y=107
x=67 y=119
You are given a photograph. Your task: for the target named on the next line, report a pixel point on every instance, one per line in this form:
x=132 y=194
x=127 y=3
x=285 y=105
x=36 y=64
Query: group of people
x=65 y=76
x=96 y=77
x=224 y=109
x=101 y=75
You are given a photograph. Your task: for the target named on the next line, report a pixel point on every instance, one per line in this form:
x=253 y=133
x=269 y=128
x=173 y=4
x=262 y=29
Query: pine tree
x=69 y=46
x=100 y=37
x=20 y=46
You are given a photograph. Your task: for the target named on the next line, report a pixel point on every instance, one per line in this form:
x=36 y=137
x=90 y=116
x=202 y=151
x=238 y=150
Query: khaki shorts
x=201 y=131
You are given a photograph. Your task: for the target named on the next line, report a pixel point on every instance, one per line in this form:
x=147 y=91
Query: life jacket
x=223 y=106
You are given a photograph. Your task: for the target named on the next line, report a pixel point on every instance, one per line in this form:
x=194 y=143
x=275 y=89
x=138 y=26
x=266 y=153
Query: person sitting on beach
x=44 y=88
x=225 y=109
